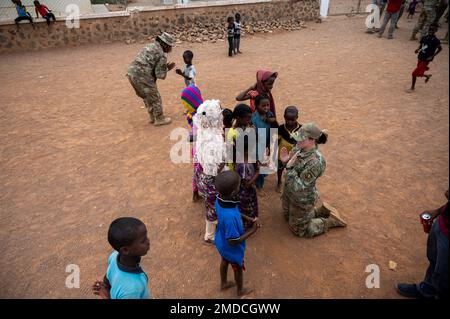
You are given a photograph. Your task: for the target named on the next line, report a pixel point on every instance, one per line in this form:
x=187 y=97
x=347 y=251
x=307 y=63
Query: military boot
x=152 y=118
x=323 y=211
x=334 y=221
x=163 y=120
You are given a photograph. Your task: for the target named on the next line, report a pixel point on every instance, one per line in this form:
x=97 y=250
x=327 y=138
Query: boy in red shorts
x=430 y=46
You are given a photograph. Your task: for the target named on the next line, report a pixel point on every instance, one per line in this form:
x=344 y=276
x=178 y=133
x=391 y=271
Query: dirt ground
x=77 y=151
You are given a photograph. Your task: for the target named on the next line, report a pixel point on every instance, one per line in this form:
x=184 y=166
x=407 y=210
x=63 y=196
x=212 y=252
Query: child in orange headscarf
x=264 y=84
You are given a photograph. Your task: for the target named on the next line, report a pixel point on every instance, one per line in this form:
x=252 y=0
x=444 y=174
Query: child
x=412 y=9
x=227 y=118
x=249 y=172
x=45 y=12
x=242 y=114
x=429 y=47
x=189 y=72
x=210 y=154
x=285 y=139
x=191 y=98
x=230 y=35
x=125 y=278
x=263 y=119
x=230 y=236
x=22 y=13
x=237 y=33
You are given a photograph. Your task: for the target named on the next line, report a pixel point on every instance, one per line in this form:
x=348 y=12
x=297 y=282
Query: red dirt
x=77 y=152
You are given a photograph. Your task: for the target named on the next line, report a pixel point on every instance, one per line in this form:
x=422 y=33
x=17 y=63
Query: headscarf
x=191 y=98
x=261 y=76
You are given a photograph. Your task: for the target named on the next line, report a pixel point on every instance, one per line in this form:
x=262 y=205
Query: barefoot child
x=285 y=139
x=230 y=35
x=125 y=278
x=430 y=46
x=263 y=119
x=230 y=236
x=237 y=33
x=189 y=72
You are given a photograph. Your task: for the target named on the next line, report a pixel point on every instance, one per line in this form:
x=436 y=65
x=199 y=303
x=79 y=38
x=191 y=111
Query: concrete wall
x=119 y=26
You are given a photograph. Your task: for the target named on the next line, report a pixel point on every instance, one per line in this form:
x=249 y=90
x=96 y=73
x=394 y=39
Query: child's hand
x=247 y=184
x=284 y=155
x=170 y=65
x=179 y=72
x=257 y=222
x=255 y=226
x=101 y=289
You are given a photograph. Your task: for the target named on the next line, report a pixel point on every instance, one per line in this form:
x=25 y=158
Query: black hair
x=230 y=19
x=36 y=3
x=433 y=26
x=123 y=232
x=291 y=110
x=227 y=117
x=323 y=138
x=237 y=15
x=241 y=110
x=226 y=182
x=189 y=54
x=260 y=98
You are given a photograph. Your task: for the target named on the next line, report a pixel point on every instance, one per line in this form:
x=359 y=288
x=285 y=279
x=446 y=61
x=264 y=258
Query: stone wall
x=122 y=26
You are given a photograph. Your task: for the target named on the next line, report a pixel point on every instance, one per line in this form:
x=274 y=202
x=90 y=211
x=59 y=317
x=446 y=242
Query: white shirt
x=191 y=72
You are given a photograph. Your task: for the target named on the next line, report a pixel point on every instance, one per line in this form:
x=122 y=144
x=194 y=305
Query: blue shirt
x=21 y=11
x=126 y=283
x=259 y=123
x=229 y=226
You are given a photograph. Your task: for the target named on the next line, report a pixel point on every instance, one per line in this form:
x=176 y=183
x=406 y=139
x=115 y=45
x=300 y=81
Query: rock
x=198 y=40
x=392 y=265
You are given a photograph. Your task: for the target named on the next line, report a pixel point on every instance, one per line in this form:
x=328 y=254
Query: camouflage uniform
x=300 y=194
x=426 y=18
x=149 y=65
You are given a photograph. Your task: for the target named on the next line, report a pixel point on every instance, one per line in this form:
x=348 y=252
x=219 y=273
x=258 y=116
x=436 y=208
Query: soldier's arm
x=161 y=68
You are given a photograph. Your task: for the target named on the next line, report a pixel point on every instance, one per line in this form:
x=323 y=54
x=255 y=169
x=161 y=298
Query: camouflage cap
x=166 y=38
x=307 y=130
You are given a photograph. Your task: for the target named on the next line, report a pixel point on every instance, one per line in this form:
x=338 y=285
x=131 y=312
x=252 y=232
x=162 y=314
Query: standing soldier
x=426 y=18
x=305 y=164
x=150 y=65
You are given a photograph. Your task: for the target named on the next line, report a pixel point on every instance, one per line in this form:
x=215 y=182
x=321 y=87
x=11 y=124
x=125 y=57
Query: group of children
x=234 y=34
x=229 y=186
x=39 y=8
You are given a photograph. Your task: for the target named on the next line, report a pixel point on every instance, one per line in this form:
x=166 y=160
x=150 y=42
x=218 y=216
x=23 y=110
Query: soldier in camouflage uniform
x=426 y=18
x=150 y=65
x=305 y=165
